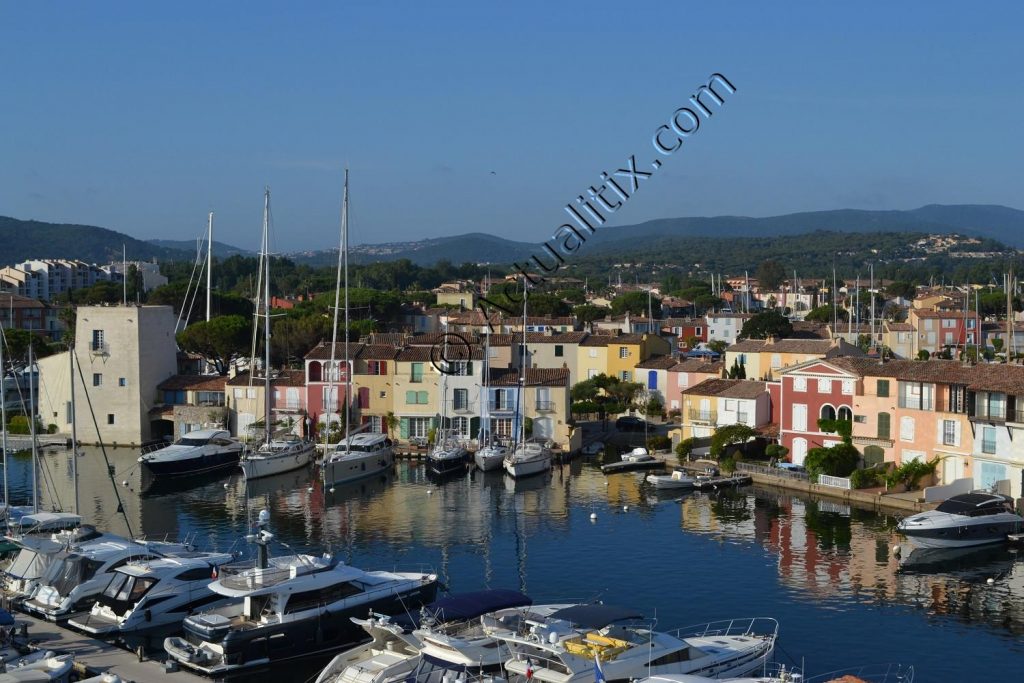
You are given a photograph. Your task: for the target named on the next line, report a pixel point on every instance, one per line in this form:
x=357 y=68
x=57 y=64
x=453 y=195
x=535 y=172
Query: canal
x=825 y=571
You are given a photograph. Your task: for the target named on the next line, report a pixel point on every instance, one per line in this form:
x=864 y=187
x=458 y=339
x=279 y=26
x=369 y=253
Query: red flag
x=213 y=574
x=529 y=670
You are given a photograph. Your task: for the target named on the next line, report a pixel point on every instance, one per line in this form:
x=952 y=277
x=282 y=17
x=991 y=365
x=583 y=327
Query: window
x=460 y=400
x=917 y=396
x=330 y=399
x=697 y=331
x=502 y=427
x=593 y=353
x=776 y=361
x=377 y=367
x=69 y=417
x=988 y=440
x=460 y=426
x=416 y=397
x=844 y=413
x=883 y=425
x=730 y=404
x=623 y=352
x=376 y=423
x=559 y=350
x=419 y=427
x=591 y=373
x=949 y=433
x=626 y=376
x=848 y=387
x=122 y=381
x=827 y=412
x=948 y=323
x=239 y=394
x=110 y=418
x=882 y=388
x=97 y=379
x=799 y=417
x=417 y=373
x=97 y=341
x=991 y=405
x=957 y=398
x=906 y=428
x=250 y=393
x=799 y=384
x=824 y=385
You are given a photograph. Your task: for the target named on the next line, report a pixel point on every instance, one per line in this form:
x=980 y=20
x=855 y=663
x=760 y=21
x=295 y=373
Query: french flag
x=529 y=670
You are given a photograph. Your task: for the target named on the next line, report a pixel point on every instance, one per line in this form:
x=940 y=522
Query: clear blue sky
x=142 y=117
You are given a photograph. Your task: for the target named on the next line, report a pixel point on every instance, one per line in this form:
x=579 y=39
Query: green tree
x=770 y=274
x=636 y=304
x=717 y=345
x=588 y=313
x=730 y=434
x=767 y=324
x=609 y=395
x=823 y=314
x=836 y=461
x=220 y=341
x=901 y=289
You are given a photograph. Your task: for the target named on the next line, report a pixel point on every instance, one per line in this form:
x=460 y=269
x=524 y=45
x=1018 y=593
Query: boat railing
x=247 y=577
x=872 y=673
x=536 y=661
x=766 y=627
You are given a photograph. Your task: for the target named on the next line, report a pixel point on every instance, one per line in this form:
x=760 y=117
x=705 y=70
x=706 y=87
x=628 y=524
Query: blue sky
x=142 y=117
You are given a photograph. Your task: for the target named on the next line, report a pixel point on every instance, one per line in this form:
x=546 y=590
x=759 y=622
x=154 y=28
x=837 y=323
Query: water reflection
x=688 y=557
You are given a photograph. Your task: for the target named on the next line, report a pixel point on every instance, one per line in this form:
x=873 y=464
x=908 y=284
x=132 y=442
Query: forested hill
x=20 y=240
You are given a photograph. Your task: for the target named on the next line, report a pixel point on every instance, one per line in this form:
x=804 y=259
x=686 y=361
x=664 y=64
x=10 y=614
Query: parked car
x=790 y=467
x=629 y=423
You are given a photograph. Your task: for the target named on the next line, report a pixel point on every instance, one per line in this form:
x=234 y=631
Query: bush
x=51 y=428
x=683 y=449
x=865 y=479
x=658 y=443
x=776 y=451
x=675 y=414
x=923 y=354
x=727 y=464
x=18 y=424
x=837 y=461
x=911 y=473
x=730 y=434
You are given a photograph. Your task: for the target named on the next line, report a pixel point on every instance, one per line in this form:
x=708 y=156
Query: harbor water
x=824 y=570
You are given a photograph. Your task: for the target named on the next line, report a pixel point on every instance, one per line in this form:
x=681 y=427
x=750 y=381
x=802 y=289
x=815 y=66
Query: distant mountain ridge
x=21 y=239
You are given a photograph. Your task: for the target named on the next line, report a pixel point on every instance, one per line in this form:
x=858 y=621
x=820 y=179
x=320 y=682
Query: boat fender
x=148 y=614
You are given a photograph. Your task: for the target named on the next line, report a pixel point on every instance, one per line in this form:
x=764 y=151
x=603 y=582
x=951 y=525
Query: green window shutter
x=883 y=425
x=403 y=428
x=469 y=368
x=474 y=426
x=421 y=398
x=434 y=422
x=410 y=397
x=417 y=372
x=883 y=388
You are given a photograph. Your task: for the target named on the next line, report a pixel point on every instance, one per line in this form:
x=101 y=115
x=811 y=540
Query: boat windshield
x=972 y=505
x=25 y=565
x=69 y=572
x=185 y=441
x=125 y=590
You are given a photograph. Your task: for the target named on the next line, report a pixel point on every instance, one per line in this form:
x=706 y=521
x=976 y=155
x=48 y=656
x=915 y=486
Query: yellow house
x=415 y=398
x=764 y=358
x=373 y=379
x=466 y=300
x=546 y=400
x=591 y=358
x=621 y=353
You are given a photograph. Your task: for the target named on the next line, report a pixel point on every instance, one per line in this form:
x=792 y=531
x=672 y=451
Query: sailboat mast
x=522 y=375
x=266 y=311
x=32 y=428
x=342 y=261
x=209 y=263
x=3 y=411
x=344 y=257
x=74 y=424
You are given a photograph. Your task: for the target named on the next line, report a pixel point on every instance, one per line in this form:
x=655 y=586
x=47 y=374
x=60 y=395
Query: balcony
x=500 y=407
x=706 y=416
x=99 y=348
x=415 y=379
x=545 y=406
x=982 y=415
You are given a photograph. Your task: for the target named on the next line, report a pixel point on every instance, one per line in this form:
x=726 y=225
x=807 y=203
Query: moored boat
x=358 y=456
x=677 y=479
x=277 y=456
x=967 y=519
x=528 y=458
x=198 y=452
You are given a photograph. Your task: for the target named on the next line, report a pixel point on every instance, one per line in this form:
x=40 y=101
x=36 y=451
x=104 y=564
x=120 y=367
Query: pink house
x=325 y=383
x=686 y=374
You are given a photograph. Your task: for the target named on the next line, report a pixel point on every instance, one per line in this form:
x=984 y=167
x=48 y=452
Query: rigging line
x=195 y=294
x=188 y=288
x=103 y=448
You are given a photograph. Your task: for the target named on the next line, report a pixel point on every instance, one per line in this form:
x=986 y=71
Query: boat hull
x=963 y=535
x=446 y=465
x=200 y=464
x=330 y=631
x=277 y=463
x=357 y=466
x=488 y=461
x=527 y=468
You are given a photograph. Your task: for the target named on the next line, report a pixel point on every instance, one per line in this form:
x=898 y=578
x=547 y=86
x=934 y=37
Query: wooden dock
x=93 y=657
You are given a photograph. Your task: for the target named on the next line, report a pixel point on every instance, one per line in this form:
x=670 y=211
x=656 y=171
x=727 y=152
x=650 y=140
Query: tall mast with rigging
x=342 y=269
x=266 y=315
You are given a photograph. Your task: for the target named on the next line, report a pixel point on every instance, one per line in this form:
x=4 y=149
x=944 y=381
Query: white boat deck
x=99 y=656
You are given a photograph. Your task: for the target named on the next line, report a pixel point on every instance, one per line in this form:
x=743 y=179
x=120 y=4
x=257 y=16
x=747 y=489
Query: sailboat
x=448 y=453
x=529 y=457
x=357 y=455
x=491 y=453
x=274 y=455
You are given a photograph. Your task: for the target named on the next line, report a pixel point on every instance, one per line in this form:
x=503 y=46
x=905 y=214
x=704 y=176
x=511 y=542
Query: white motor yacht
x=529 y=458
x=968 y=519
x=358 y=456
x=153 y=596
x=35 y=555
x=638 y=454
x=678 y=479
x=564 y=647
x=778 y=673
x=77 y=576
x=198 y=452
x=390 y=656
x=290 y=607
